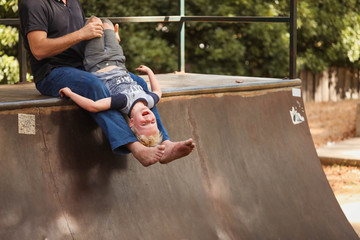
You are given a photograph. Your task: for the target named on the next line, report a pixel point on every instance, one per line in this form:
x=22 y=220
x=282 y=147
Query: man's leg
x=111 y=122
x=87 y=85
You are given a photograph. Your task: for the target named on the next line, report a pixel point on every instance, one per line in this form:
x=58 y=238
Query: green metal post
x=181 y=63
x=22 y=59
x=21 y=55
x=293 y=38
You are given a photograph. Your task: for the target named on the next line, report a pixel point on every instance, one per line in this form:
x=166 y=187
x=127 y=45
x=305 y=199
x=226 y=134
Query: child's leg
x=113 y=49
x=94 y=52
x=111 y=45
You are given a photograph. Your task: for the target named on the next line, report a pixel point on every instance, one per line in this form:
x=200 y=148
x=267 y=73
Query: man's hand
x=43 y=47
x=92 y=29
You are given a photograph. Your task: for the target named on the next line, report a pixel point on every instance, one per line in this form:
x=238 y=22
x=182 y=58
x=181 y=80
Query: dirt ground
x=332 y=122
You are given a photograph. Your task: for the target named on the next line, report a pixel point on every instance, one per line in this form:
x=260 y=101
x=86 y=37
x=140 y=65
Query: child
x=132 y=101
x=105 y=59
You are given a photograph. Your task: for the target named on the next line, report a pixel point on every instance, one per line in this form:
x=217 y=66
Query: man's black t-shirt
x=57 y=19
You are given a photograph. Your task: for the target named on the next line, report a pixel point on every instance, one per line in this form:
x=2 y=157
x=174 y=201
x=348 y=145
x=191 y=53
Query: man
x=54 y=31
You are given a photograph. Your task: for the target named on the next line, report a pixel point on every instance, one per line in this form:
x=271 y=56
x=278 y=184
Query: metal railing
x=181 y=19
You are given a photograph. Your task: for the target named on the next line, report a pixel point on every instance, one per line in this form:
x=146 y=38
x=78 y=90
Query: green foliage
x=9 y=69
x=8 y=8
x=125 y=8
x=9 y=37
x=211 y=46
x=142 y=48
x=328 y=35
x=9 y=65
x=259 y=49
x=351 y=37
x=233 y=49
x=151 y=44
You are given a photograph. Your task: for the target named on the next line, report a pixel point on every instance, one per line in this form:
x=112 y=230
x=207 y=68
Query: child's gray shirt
x=124 y=91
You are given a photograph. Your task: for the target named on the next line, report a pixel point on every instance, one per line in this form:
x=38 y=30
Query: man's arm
x=43 y=47
x=86 y=103
x=155 y=86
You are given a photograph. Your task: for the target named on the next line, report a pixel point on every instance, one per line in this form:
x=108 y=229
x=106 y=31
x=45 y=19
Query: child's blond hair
x=148 y=141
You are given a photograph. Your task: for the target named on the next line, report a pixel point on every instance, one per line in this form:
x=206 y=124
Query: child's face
x=144 y=121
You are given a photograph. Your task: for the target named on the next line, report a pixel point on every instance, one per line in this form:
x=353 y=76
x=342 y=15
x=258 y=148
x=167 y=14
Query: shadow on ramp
x=254 y=175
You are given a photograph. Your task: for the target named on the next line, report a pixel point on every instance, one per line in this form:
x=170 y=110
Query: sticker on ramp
x=296 y=117
x=26 y=124
x=296 y=92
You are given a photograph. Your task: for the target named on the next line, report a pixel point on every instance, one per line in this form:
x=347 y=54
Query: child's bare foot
x=176 y=150
x=146 y=155
x=107 y=24
x=93 y=19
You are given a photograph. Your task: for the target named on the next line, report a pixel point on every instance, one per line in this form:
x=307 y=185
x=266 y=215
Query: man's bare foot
x=176 y=150
x=146 y=155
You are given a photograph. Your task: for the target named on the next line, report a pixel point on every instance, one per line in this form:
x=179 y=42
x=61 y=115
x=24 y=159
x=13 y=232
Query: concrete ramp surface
x=254 y=175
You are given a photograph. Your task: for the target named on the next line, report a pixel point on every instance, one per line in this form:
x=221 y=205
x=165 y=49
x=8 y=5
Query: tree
x=328 y=35
x=233 y=49
x=9 y=36
x=256 y=49
x=151 y=44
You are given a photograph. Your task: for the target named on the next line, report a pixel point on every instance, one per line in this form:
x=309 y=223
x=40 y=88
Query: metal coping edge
x=240 y=87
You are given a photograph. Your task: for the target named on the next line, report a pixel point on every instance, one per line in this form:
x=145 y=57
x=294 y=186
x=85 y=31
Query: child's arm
x=155 y=86
x=86 y=103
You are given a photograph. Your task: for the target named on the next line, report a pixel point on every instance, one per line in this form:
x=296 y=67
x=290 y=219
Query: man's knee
x=95 y=89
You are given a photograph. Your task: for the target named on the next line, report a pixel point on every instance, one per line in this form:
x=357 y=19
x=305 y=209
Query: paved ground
x=346 y=152
x=352 y=212
x=332 y=125
x=343 y=175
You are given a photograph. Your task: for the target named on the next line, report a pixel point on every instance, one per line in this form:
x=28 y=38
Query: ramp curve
x=254 y=175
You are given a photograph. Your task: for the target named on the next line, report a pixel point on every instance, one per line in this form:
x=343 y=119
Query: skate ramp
x=254 y=174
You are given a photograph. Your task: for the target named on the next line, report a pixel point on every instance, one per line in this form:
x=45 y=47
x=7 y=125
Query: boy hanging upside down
x=105 y=59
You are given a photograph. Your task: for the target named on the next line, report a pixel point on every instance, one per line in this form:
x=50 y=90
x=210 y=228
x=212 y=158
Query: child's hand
x=143 y=69
x=65 y=91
